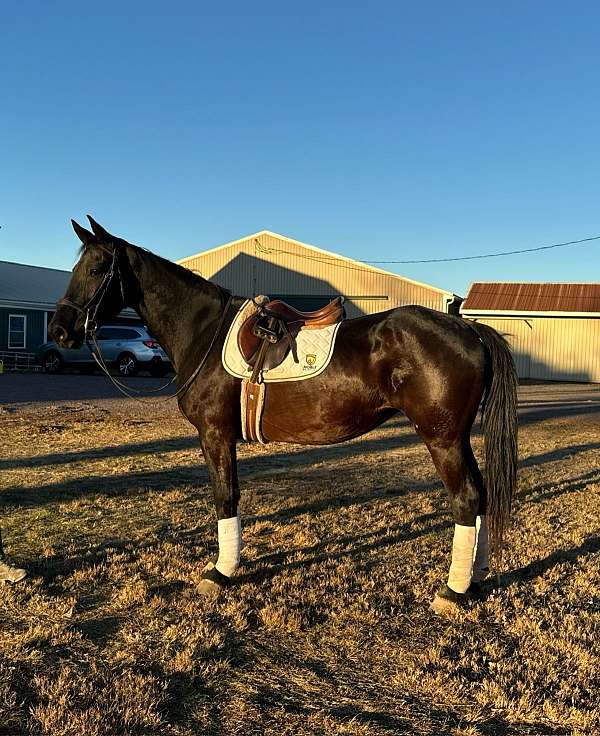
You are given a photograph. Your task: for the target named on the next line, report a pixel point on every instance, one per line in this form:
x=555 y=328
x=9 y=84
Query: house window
x=17 y=330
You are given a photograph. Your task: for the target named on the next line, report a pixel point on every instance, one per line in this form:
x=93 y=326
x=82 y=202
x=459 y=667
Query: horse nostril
x=60 y=334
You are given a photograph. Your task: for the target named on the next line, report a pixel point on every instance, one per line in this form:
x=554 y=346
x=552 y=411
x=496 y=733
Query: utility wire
x=337 y=263
x=495 y=255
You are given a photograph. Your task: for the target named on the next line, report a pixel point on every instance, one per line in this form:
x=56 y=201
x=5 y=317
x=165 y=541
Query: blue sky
x=377 y=130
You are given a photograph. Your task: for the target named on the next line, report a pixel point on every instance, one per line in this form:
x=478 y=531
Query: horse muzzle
x=64 y=337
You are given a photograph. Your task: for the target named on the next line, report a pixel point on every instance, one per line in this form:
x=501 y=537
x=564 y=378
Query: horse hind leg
x=458 y=469
x=481 y=562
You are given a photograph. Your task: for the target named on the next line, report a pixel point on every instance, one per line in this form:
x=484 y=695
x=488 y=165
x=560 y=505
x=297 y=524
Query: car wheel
x=128 y=365
x=53 y=363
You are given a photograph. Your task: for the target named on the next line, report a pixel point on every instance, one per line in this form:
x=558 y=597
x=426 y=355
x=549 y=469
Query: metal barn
x=307 y=277
x=553 y=329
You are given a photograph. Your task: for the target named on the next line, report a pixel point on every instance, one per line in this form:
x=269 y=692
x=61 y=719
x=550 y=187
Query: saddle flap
x=249 y=343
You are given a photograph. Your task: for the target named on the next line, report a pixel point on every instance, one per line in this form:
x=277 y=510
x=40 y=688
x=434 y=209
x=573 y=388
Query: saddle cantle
x=278 y=324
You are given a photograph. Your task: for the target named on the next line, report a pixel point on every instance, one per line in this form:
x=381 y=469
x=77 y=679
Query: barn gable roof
x=31 y=287
x=35 y=287
x=325 y=255
x=512 y=298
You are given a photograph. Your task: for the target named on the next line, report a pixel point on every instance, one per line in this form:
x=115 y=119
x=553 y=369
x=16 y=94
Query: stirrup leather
x=252 y=405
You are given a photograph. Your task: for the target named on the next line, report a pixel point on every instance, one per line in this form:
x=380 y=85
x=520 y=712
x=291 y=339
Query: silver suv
x=128 y=347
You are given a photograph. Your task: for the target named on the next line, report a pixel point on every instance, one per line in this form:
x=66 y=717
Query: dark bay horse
x=434 y=367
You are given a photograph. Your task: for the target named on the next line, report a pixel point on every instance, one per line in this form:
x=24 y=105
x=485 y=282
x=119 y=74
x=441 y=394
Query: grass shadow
x=554 y=489
x=560 y=453
x=123 y=483
x=537 y=568
x=356 y=547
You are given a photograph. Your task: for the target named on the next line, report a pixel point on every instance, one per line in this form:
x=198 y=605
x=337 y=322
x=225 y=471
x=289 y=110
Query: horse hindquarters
x=441 y=398
x=438 y=382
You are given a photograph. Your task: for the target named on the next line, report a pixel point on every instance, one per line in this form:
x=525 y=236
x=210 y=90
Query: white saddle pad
x=315 y=348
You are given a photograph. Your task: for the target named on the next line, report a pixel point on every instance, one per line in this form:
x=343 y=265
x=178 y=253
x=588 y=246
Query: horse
x=438 y=369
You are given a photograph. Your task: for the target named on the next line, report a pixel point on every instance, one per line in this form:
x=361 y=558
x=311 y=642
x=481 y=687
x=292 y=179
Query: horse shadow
x=57 y=566
x=370 y=708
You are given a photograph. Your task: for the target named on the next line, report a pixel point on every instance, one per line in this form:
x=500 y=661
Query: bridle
x=90 y=310
x=91 y=307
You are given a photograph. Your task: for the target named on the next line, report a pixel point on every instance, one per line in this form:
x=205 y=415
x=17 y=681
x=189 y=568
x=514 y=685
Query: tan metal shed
x=553 y=328
x=307 y=276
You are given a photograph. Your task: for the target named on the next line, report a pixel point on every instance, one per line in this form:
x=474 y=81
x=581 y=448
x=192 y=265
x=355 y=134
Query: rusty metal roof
x=496 y=296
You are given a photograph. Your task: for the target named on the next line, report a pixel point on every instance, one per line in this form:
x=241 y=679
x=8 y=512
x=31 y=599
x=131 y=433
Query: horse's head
x=96 y=291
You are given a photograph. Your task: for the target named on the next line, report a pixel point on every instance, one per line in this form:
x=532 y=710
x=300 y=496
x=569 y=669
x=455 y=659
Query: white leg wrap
x=463 y=548
x=230 y=544
x=481 y=563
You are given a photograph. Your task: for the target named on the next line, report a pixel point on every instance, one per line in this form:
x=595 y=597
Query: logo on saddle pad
x=311 y=359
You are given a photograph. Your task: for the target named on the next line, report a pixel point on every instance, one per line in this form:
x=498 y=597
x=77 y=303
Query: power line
x=495 y=255
x=334 y=260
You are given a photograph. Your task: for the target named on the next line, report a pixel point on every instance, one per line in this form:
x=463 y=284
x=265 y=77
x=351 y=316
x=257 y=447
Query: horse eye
x=95 y=271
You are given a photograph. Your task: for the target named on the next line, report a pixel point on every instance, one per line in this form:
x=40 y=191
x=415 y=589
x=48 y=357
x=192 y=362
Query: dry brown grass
x=328 y=630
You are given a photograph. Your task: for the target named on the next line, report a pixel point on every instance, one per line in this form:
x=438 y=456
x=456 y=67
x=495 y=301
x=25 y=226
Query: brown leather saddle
x=266 y=338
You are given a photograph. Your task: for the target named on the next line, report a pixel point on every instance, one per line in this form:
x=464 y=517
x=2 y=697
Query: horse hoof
x=475 y=591
x=9 y=574
x=213 y=581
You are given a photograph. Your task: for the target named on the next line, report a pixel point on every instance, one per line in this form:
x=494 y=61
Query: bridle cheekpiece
x=91 y=307
x=90 y=310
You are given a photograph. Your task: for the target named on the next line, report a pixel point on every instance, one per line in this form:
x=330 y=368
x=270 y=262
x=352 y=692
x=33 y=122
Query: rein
x=180 y=391
x=90 y=310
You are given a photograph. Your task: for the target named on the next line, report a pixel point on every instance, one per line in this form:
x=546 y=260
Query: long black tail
x=499 y=424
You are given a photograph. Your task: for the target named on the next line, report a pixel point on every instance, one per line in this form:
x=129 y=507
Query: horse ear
x=103 y=235
x=86 y=237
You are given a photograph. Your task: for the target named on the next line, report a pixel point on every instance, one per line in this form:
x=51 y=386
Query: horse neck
x=177 y=305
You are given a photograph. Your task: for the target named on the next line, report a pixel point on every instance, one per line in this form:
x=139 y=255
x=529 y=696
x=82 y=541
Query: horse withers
x=434 y=367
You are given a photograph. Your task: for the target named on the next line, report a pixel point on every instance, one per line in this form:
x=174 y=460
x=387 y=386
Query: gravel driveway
x=27 y=392
x=32 y=392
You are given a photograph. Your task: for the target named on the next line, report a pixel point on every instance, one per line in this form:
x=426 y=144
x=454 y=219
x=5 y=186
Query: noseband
x=91 y=307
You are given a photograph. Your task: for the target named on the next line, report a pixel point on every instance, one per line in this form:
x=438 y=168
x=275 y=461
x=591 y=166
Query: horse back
x=401 y=359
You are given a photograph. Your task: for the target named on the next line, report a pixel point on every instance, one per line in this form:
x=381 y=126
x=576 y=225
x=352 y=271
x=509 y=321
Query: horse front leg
x=220 y=455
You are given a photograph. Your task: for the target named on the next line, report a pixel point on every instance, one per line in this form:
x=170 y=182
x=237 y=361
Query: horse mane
x=189 y=277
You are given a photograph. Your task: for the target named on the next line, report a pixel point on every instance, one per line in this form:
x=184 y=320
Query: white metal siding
x=553 y=348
